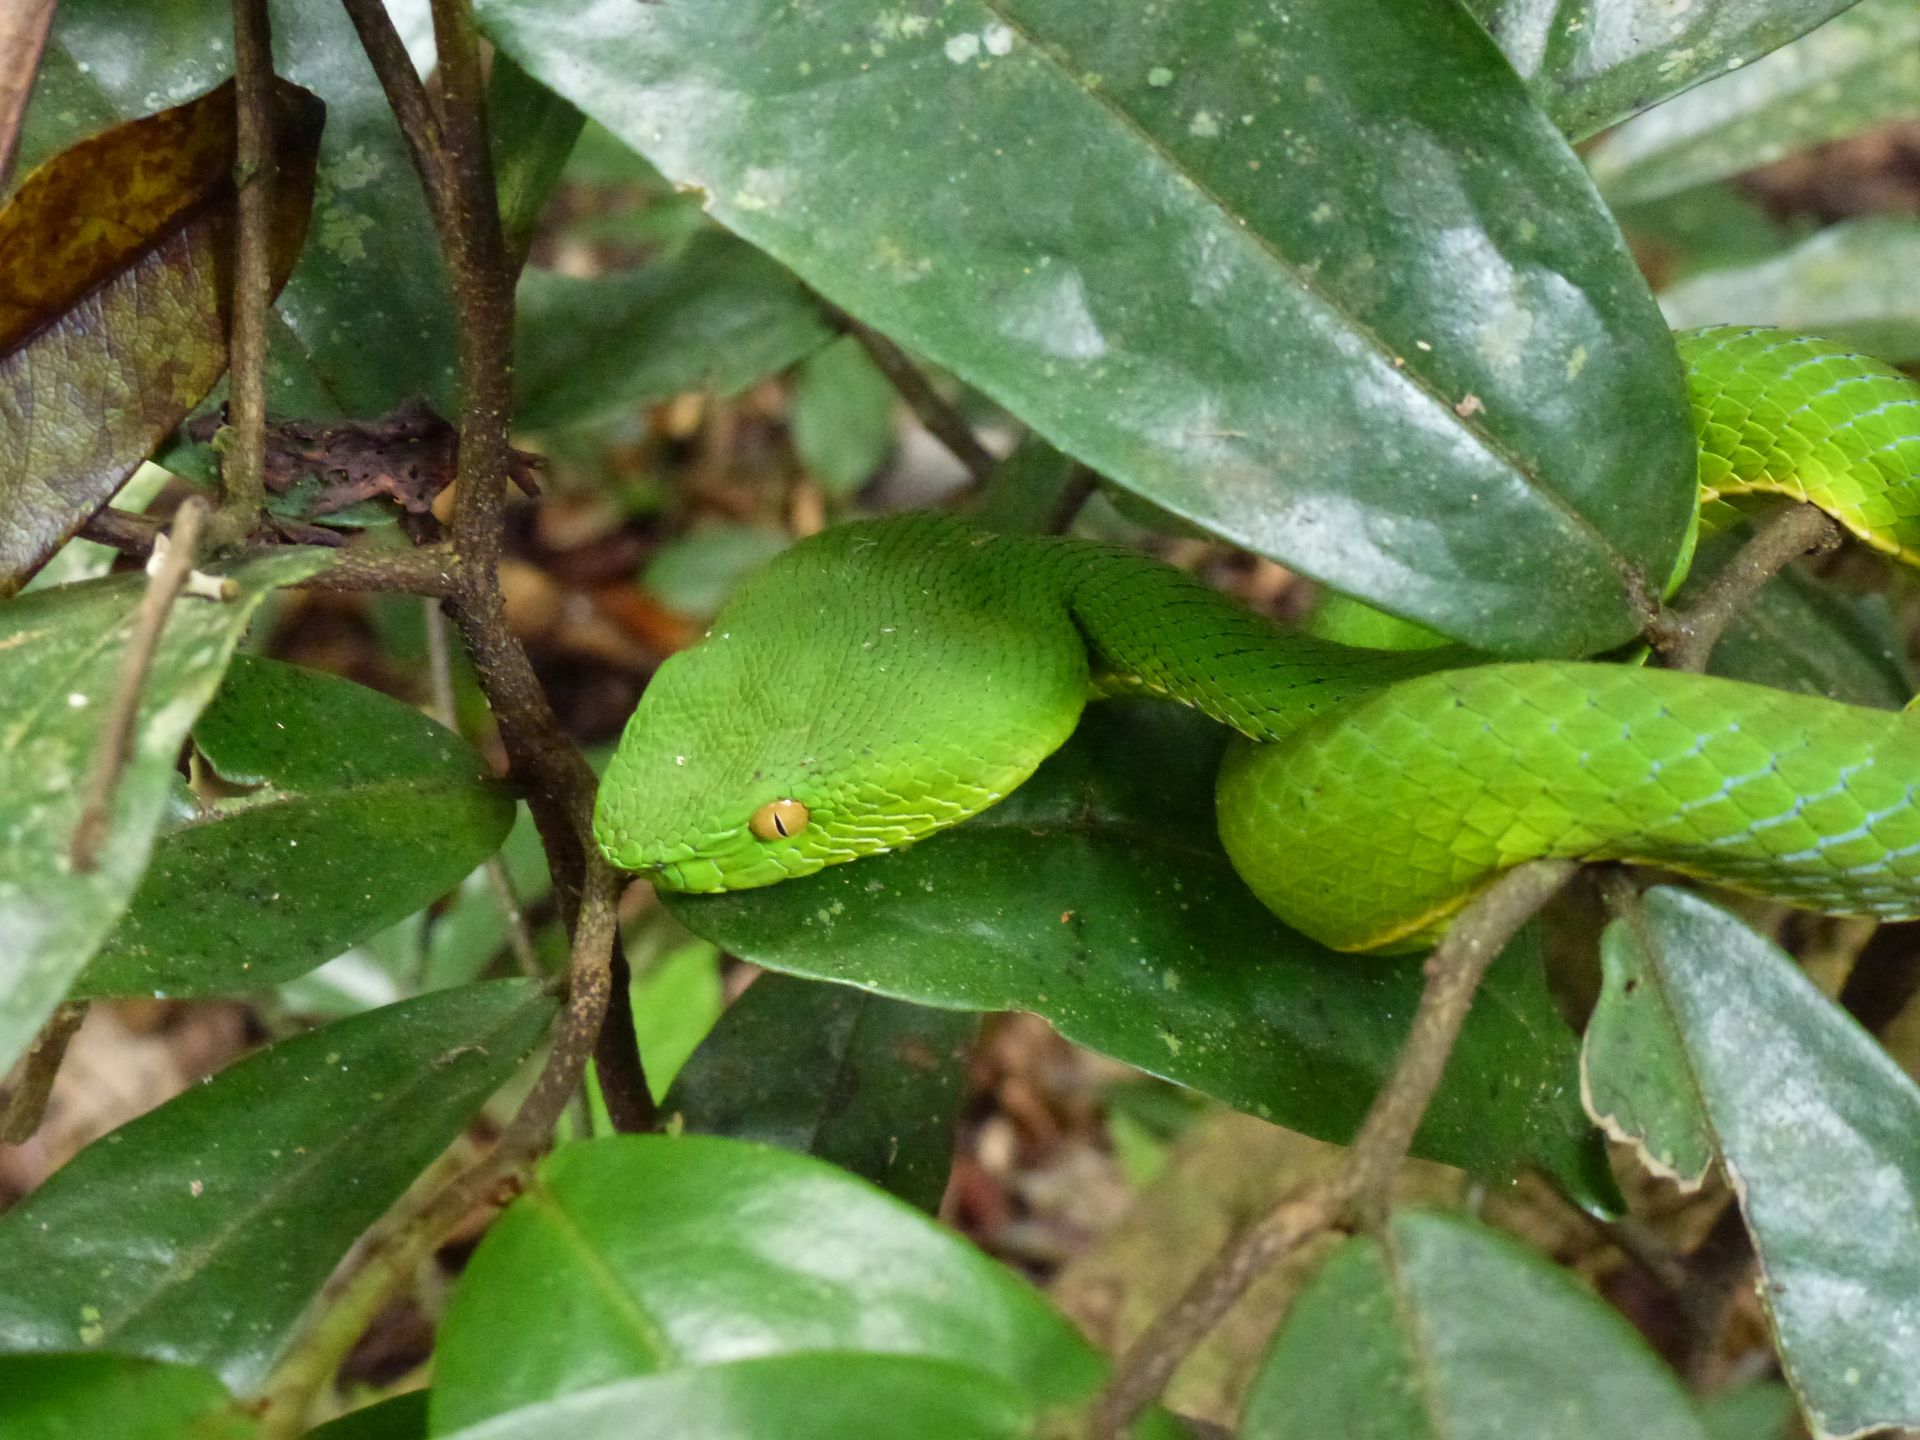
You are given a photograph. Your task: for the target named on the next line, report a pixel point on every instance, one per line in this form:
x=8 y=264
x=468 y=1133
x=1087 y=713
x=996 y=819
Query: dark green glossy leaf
x=871 y=1084
x=781 y=1397
x=1852 y=282
x=533 y=132
x=1318 y=277
x=1591 y=63
x=1098 y=896
x=404 y=1417
x=1856 y=71
x=1635 y=1073
x=368 y=319
x=1442 y=1329
x=1816 y=1127
x=63 y=650
x=694 y=573
x=472 y=929
x=91 y=1397
x=718 y=316
x=115 y=279
x=1761 y=1410
x=365 y=810
x=843 y=413
x=198 y=1232
x=639 y=1254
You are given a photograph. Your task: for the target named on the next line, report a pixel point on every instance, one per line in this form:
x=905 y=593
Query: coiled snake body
x=888 y=678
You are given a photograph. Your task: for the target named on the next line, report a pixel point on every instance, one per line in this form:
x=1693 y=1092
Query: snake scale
x=888 y=678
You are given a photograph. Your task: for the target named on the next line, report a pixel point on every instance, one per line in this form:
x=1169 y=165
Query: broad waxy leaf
x=198 y=1232
x=366 y=811
x=639 y=1254
x=1590 y=63
x=1816 y=1126
x=368 y=319
x=1317 y=277
x=63 y=650
x=404 y=1417
x=79 y=1397
x=115 y=276
x=1858 y=70
x=843 y=410
x=1635 y=1073
x=871 y=1084
x=1851 y=282
x=1442 y=1329
x=718 y=315
x=780 y=1397
x=1098 y=896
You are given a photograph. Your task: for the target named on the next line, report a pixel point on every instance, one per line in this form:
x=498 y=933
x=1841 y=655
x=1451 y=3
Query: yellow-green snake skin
x=886 y=679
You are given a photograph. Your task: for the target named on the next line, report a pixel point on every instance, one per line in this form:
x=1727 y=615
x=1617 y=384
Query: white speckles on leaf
x=997 y=39
x=1159 y=77
x=962 y=48
x=1204 y=124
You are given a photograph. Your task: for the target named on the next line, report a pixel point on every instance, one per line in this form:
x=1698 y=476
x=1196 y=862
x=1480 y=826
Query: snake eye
x=778 y=819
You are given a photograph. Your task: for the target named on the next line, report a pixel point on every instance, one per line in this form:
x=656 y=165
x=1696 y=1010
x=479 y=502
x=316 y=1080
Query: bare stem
x=1685 y=641
x=1356 y=1192
x=244 y=450
x=941 y=420
x=406 y=96
x=21 y=1113
x=446 y=711
x=397 y=1246
x=482 y=287
x=616 y=1058
x=167 y=576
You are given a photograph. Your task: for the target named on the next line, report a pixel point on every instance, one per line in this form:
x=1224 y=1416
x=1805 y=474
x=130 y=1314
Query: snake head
x=874 y=684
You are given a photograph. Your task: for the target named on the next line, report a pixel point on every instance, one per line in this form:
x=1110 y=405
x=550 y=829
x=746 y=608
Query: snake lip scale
x=889 y=678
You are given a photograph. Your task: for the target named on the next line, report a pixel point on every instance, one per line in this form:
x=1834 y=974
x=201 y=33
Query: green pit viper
x=886 y=679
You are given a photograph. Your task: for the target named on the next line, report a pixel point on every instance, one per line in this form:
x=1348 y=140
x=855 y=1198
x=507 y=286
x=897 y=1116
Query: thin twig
x=429 y=570
x=244 y=448
x=616 y=1058
x=482 y=288
x=122 y=530
x=167 y=573
x=406 y=97
x=1686 y=641
x=1356 y=1192
x=940 y=419
x=447 y=711
x=409 y=1234
x=21 y=1113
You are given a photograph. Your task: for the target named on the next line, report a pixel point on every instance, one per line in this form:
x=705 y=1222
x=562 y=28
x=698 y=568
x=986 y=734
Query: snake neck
x=1153 y=630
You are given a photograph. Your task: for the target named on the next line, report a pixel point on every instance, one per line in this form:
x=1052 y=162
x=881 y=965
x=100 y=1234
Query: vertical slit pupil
x=779 y=823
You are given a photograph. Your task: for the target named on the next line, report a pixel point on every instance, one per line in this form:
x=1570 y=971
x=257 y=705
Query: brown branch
x=406 y=97
x=616 y=1058
x=167 y=573
x=21 y=1113
x=244 y=451
x=482 y=288
x=1356 y=1193
x=447 y=711
x=1685 y=641
x=429 y=570
x=122 y=530
x=23 y=36
x=940 y=419
x=397 y=1246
